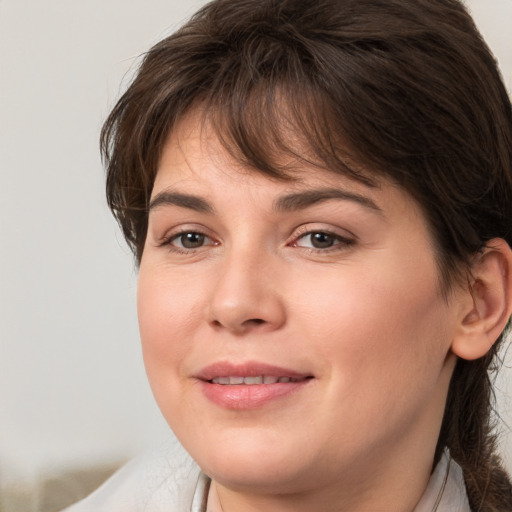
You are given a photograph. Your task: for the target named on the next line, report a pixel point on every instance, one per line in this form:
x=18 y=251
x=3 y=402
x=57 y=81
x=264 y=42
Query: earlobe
x=489 y=302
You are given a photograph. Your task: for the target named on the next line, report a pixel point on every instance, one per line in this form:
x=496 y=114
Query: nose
x=246 y=296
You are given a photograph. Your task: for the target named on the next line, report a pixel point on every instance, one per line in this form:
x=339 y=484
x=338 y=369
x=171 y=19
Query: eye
x=321 y=240
x=189 y=240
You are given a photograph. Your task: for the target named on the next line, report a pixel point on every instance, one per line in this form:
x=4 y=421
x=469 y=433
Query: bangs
x=279 y=128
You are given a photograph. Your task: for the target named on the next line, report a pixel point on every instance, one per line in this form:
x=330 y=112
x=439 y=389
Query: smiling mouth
x=249 y=385
x=254 y=380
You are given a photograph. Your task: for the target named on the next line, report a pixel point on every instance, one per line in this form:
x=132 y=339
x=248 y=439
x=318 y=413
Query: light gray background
x=72 y=385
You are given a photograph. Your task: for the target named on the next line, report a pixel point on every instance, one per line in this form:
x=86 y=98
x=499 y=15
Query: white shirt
x=170 y=481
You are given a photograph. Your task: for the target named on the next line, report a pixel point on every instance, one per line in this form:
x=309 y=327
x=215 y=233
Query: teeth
x=221 y=380
x=260 y=379
x=253 y=380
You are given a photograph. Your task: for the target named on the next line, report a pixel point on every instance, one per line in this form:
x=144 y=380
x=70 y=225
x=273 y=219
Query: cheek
x=379 y=326
x=167 y=311
x=383 y=344
x=169 y=304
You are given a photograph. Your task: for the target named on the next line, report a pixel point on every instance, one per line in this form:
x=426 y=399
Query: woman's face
x=293 y=332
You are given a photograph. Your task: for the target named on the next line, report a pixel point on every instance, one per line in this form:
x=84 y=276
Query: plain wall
x=72 y=384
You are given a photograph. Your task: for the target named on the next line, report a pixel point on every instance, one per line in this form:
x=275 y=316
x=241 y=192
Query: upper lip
x=247 y=369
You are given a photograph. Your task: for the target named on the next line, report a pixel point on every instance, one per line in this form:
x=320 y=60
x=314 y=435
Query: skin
x=364 y=317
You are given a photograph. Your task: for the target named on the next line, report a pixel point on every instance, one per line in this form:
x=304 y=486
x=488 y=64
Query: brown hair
x=404 y=89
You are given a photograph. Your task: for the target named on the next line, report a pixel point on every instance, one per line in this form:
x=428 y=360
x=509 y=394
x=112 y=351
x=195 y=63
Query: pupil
x=192 y=240
x=321 y=240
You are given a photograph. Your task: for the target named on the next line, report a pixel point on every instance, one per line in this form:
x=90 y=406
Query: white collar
x=446 y=490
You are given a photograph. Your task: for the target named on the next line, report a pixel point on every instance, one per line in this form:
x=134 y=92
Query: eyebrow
x=184 y=200
x=307 y=198
x=289 y=202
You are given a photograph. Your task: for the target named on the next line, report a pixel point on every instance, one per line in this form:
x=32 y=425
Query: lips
x=249 y=385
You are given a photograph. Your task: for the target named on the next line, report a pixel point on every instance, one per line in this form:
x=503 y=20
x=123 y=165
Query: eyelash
x=168 y=241
x=339 y=243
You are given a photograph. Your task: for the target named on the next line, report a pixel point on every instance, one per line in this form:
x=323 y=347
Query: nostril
x=256 y=321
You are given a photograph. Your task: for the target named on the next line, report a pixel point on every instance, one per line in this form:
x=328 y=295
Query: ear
x=488 y=301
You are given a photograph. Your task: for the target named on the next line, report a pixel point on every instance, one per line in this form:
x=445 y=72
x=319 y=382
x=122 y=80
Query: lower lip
x=243 y=397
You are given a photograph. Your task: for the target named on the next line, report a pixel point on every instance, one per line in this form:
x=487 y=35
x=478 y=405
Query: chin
x=256 y=465
x=259 y=478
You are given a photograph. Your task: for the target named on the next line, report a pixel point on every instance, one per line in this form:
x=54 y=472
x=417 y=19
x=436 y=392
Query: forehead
x=196 y=150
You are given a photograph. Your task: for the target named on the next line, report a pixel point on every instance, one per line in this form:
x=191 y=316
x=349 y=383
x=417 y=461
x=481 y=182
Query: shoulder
x=163 y=480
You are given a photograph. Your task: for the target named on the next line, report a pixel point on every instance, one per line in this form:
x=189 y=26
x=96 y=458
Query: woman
x=319 y=197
